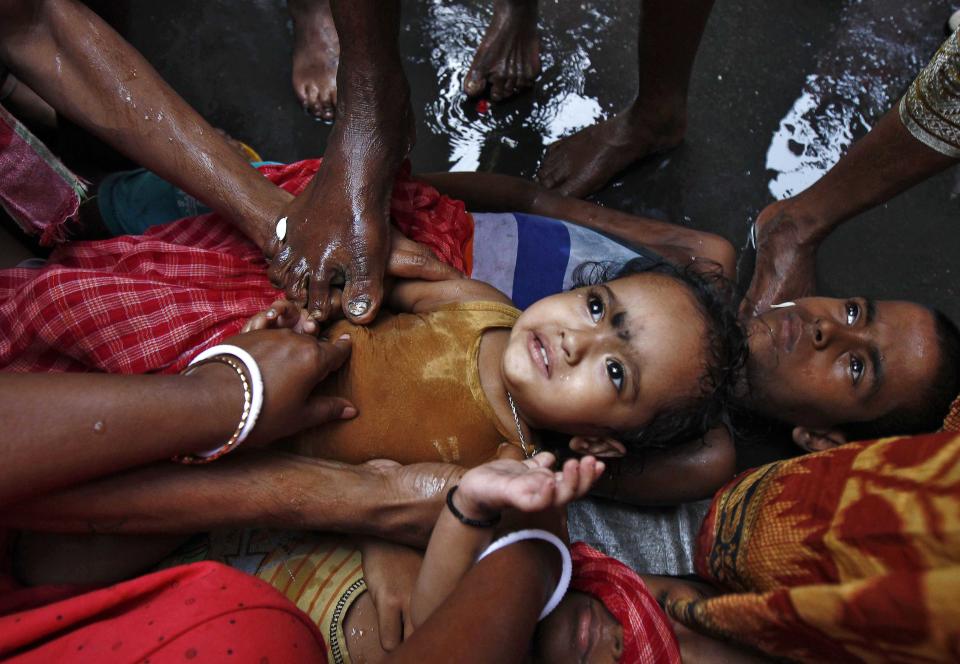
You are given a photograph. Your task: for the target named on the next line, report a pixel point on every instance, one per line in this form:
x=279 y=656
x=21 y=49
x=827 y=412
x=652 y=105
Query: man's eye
x=853 y=312
x=615 y=372
x=856 y=369
x=595 y=307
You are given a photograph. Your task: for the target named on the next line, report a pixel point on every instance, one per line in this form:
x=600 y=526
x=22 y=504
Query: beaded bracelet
x=465 y=520
x=252 y=398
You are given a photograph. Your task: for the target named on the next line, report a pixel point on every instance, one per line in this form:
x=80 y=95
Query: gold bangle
x=214 y=454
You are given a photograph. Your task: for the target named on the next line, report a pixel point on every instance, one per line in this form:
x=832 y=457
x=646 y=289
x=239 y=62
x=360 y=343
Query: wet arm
x=690 y=472
x=89 y=74
x=249 y=488
x=66 y=428
x=488 y=192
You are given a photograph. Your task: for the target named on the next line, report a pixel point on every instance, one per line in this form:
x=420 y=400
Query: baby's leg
x=53 y=558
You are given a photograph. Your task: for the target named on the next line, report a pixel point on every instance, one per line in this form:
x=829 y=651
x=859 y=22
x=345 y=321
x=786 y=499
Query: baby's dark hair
x=928 y=410
x=726 y=350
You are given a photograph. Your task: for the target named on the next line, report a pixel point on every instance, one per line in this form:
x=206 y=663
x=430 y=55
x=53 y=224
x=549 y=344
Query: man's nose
x=825 y=332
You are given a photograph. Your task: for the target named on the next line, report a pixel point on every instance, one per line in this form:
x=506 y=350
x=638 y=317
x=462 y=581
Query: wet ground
x=779 y=90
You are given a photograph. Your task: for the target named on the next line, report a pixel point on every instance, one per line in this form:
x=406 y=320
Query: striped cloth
x=529 y=257
x=648 y=637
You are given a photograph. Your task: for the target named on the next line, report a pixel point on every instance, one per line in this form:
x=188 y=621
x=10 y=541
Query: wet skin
x=316 y=56
x=828 y=361
x=337 y=230
x=625 y=350
x=508 y=59
x=579 y=630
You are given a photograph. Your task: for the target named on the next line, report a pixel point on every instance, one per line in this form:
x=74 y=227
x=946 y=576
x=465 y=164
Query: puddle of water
x=858 y=78
x=558 y=106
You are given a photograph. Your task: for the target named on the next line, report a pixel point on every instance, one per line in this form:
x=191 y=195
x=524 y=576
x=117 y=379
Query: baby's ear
x=817 y=441
x=600 y=447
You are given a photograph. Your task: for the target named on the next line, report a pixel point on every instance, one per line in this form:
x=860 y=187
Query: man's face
x=828 y=361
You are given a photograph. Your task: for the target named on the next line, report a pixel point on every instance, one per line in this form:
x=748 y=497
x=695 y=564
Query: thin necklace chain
x=516 y=419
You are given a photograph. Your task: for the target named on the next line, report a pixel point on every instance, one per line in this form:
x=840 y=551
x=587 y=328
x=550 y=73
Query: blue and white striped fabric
x=530 y=257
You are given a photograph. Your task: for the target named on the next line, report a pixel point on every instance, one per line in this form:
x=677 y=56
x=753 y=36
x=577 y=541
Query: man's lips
x=790 y=328
x=540 y=354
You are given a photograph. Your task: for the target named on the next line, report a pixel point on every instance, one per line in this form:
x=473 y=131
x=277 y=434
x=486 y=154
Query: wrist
x=219 y=389
x=470 y=511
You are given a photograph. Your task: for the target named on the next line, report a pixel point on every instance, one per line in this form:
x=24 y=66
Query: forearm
x=89 y=74
x=249 y=488
x=60 y=429
x=488 y=192
x=499 y=598
x=452 y=551
x=882 y=164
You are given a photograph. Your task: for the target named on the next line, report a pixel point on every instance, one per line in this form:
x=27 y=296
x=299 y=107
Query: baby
x=640 y=360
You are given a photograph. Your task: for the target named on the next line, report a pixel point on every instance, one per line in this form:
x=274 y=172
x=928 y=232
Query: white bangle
x=534 y=533
x=256 y=387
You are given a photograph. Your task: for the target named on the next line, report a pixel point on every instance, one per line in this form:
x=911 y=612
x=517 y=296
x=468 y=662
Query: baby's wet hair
x=726 y=350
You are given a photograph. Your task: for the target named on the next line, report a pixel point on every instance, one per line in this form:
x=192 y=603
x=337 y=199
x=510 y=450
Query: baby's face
x=607 y=358
x=579 y=630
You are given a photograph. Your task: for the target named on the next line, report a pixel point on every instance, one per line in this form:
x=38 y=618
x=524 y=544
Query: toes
x=475 y=83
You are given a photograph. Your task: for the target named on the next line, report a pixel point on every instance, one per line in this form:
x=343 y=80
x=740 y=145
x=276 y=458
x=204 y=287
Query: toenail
x=358 y=307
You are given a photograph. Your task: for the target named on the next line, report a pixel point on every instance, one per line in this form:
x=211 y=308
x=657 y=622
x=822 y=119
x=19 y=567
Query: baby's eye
x=595 y=307
x=853 y=312
x=856 y=369
x=615 y=372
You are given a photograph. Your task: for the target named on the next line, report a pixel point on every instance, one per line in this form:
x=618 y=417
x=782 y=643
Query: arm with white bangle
x=532 y=496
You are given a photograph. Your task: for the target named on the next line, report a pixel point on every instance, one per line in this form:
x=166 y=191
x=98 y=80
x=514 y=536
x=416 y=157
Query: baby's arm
x=503 y=193
x=484 y=492
x=423 y=296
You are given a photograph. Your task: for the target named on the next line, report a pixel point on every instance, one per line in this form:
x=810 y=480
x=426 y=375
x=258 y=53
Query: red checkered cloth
x=647 y=635
x=136 y=304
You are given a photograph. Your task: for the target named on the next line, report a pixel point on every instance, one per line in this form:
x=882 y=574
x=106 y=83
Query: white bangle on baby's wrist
x=252 y=403
x=536 y=533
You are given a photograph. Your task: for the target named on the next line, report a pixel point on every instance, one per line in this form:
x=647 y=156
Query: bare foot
x=786 y=258
x=316 y=55
x=583 y=163
x=508 y=59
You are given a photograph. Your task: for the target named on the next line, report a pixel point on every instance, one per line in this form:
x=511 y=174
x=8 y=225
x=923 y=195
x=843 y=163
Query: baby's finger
x=288 y=313
x=567 y=482
x=261 y=321
x=586 y=476
x=542 y=460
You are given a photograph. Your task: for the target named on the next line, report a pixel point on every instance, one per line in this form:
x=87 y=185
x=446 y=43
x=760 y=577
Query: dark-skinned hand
x=292 y=365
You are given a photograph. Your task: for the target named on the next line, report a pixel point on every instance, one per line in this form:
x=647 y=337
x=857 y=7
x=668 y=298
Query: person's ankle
x=662 y=117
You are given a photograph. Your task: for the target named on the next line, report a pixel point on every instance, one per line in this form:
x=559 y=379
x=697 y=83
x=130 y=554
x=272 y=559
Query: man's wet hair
x=927 y=412
x=726 y=350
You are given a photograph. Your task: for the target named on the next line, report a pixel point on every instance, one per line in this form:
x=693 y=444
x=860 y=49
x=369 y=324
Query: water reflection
x=557 y=106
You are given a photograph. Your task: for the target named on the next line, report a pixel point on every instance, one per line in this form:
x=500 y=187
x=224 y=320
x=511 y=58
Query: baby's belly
x=358 y=441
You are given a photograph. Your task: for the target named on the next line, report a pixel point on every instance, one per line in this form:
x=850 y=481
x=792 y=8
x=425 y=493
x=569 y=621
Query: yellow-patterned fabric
x=847 y=555
x=323 y=576
x=415 y=382
x=952 y=421
x=931 y=108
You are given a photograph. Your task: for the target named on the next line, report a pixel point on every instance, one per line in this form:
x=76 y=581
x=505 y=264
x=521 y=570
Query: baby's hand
x=283 y=314
x=529 y=486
